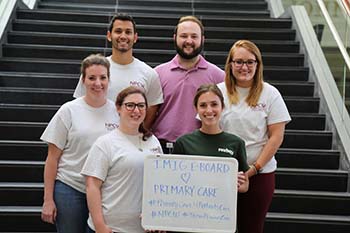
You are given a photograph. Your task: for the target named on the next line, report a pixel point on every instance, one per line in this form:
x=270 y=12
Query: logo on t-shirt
x=137 y=84
x=156 y=150
x=259 y=107
x=111 y=126
x=226 y=150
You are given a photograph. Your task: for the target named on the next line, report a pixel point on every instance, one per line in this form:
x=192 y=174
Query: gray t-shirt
x=73 y=129
x=117 y=159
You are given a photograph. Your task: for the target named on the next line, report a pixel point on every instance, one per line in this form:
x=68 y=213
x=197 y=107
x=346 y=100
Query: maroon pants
x=253 y=205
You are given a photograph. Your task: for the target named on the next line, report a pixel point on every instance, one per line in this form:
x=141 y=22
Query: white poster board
x=190 y=193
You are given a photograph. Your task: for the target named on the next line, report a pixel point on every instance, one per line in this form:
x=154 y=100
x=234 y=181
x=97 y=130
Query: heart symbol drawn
x=185 y=177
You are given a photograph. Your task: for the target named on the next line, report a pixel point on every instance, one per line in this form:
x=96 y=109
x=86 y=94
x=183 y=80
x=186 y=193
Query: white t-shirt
x=137 y=74
x=117 y=159
x=73 y=129
x=250 y=123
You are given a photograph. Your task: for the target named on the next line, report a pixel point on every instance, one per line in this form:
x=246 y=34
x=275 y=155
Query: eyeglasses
x=130 y=106
x=239 y=63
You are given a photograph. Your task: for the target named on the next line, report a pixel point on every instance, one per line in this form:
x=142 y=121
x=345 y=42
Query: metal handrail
x=334 y=33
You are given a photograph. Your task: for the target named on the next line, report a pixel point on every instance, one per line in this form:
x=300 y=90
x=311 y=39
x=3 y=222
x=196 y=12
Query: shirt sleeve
x=97 y=163
x=57 y=130
x=278 y=111
x=154 y=93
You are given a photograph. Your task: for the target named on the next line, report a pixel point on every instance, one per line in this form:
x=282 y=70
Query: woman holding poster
x=209 y=139
x=114 y=168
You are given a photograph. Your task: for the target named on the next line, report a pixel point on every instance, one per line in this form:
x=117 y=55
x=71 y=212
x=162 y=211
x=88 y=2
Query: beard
x=194 y=53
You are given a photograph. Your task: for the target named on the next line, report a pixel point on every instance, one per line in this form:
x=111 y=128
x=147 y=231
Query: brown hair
x=230 y=80
x=208 y=88
x=190 y=18
x=119 y=102
x=94 y=59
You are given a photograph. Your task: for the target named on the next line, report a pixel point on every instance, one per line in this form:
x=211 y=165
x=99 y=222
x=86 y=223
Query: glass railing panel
x=329 y=46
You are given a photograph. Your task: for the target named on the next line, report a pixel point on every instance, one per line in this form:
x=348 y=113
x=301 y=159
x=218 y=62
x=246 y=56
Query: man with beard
x=180 y=78
x=126 y=70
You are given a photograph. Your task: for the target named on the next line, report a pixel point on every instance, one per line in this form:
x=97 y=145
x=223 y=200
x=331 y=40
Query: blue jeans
x=72 y=210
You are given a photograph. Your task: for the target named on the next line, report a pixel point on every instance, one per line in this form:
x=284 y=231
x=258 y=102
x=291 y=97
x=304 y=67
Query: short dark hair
x=192 y=19
x=94 y=59
x=122 y=17
x=208 y=88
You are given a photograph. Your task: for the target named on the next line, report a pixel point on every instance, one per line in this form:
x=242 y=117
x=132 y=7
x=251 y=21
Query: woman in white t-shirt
x=70 y=134
x=114 y=168
x=256 y=112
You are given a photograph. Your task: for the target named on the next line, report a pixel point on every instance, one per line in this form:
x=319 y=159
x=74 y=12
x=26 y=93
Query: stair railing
x=331 y=102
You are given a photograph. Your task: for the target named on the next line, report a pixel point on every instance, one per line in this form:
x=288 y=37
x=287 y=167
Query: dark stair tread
x=111 y=8
x=140 y=50
x=308 y=217
x=171 y=19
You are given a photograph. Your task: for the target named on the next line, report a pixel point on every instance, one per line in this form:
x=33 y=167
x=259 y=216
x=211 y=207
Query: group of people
x=124 y=110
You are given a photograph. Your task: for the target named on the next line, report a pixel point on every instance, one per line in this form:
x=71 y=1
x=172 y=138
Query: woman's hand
x=242 y=182
x=49 y=212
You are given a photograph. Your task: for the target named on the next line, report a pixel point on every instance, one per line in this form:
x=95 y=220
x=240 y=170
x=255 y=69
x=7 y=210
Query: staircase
x=40 y=68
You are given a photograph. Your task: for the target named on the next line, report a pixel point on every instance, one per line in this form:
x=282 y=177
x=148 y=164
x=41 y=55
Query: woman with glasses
x=114 y=168
x=70 y=134
x=256 y=112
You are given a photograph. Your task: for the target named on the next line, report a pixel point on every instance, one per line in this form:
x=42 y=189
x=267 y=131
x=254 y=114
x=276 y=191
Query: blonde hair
x=230 y=80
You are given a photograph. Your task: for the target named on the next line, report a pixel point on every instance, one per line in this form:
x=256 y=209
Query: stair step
x=178 y=4
x=38 y=80
x=23 y=150
x=307 y=121
x=153 y=30
x=311 y=202
x=17 y=79
x=28 y=217
x=307 y=158
x=311 y=179
x=143 y=42
x=149 y=19
x=21 y=171
x=30 y=131
x=146 y=9
x=306 y=223
x=42 y=113
x=35 y=96
x=21 y=194
x=60 y=96
x=27 y=112
x=151 y=55
x=71 y=67
x=286 y=178
x=285 y=201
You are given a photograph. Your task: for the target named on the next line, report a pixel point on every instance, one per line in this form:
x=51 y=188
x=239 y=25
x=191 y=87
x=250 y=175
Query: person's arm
x=275 y=134
x=151 y=115
x=93 y=195
x=49 y=210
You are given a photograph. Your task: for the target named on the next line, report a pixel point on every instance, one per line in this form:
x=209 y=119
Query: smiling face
x=132 y=116
x=188 y=39
x=209 y=108
x=243 y=73
x=96 y=81
x=122 y=36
